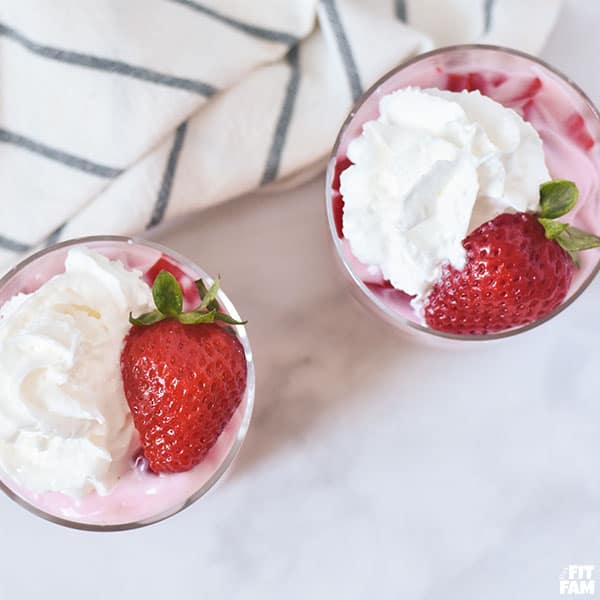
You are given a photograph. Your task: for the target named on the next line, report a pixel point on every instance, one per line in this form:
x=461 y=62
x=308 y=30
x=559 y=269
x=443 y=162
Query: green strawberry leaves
x=195 y=317
x=167 y=294
x=552 y=228
x=221 y=316
x=557 y=198
x=209 y=297
x=147 y=319
x=168 y=299
x=576 y=240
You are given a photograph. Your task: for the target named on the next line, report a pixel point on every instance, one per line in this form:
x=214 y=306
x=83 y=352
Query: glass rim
x=249 y=393
x=387 y=312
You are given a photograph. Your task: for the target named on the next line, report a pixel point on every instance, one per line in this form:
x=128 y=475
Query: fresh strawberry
x=184 y=375
x=513 y=276
x=519 y=268
x=183 y=384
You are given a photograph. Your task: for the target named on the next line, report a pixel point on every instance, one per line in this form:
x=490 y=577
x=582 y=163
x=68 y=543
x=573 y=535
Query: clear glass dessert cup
x=139 y=498
x=564 y=117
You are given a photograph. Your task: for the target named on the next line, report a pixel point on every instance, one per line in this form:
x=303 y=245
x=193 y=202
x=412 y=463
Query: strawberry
x=513 y=275
x=184 y=375
x=519 y=268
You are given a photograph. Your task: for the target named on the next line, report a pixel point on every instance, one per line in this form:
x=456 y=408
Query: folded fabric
x=116 y=115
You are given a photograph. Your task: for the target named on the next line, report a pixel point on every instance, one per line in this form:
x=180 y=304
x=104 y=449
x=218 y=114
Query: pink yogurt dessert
x=125 y=494
x=565 y=119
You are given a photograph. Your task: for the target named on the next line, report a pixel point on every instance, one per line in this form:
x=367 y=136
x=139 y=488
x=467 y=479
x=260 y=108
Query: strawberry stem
x=557 y=198
x=209 y=297
x=168 y=299
x=552 y=228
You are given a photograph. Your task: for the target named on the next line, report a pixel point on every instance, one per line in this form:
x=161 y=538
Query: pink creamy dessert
x=564 y=118
x=139 y=497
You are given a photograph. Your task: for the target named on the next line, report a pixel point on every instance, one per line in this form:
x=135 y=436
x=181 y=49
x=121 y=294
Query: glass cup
x=139 y=498
x=558 y=109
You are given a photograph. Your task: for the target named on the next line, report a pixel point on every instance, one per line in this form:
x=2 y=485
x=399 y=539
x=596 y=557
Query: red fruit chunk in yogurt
x=529 y=90
x=188 y=287
x=338 y=203
x=497 y=85
x=578 y=132
x=457 y=82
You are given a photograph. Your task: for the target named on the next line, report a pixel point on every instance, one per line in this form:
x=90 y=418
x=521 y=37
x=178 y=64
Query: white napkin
x=116 y=115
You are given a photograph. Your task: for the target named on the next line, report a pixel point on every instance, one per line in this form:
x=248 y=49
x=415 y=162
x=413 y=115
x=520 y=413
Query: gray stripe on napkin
x=54 y=236
x=105 y=64
x=344 y=48
x=253 y=30
x=488 y=8
x=69 y=160
x=285 y=116
x=400 y=9
x=13 y=245
x=164 y=192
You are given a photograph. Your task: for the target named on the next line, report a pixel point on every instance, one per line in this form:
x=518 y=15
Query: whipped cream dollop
x=65 y=424
x=429 y=170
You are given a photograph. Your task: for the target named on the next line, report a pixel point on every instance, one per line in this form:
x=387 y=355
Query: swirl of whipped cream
x=64 y=422
x=429 y=170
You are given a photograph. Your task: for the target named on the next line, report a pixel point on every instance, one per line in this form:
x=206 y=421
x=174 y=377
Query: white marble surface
x=375 y=467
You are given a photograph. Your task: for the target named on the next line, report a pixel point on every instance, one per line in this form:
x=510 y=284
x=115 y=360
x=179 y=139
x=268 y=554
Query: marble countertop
x=375 y=467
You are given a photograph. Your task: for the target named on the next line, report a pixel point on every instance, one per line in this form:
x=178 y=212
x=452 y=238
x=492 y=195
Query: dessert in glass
x=126 y=383
x=461 y=190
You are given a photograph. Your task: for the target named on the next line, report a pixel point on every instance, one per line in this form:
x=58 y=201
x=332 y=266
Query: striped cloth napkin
x=118 y=114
